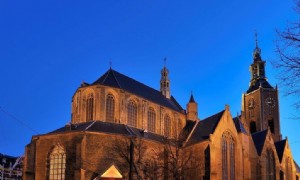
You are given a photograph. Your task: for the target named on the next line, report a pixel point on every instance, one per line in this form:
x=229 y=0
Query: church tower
x=260 y=108
x=165 y=82
x=192 y=109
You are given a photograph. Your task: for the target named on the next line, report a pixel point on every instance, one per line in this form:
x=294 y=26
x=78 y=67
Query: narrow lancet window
x=110 y=108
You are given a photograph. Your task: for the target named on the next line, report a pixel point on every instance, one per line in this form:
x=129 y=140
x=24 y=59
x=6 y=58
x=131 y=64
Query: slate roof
x=297 y=167
x=112 y=128
x=259 y=140
x=260 y=82
x=239 y=126
x=280 y=145
x=192 y=99
x=204 y=128
x=115 y=79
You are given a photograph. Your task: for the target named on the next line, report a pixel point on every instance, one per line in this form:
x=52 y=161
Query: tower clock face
x=251 y=103
x=270 y=102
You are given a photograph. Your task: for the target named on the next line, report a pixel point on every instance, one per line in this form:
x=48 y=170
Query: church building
x=124 y=129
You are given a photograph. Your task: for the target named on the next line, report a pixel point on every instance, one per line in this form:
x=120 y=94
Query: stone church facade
x=123 y=129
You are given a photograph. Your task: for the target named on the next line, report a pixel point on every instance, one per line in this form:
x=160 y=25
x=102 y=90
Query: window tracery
x=57 y=163
x=132 y=113
x=110 y=108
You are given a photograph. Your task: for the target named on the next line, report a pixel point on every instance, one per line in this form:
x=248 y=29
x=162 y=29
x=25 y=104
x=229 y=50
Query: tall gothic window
x=57 y=164
x=132 y=114
x=89 y=107
x=228 y=157
x=151 y=120
x=207 y=163
x=270 y=166
x=167 y=126
x=110 y=108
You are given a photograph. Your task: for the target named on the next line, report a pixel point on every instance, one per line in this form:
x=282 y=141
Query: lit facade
x=123 y=129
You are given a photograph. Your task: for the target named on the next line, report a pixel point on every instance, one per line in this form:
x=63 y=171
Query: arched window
x=228 y=157
x=207 y=163
x=89 y=107
x=270 y=166
x=132 y=114
x=110 y=108
x=57 y=163
x=151 y=120
x=167 y=126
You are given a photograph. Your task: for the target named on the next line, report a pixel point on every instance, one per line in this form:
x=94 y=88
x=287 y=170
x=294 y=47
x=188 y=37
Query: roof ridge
x=192 y=131
x=90 y=125
x=131 y=132
x=107 y=73
x=115 y=77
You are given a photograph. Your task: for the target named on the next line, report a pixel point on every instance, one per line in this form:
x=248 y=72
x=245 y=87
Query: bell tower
x=260 y=109
x=165 y=82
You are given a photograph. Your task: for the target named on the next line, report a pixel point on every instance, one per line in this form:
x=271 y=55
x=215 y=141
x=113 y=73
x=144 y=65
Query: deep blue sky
x=47 y=48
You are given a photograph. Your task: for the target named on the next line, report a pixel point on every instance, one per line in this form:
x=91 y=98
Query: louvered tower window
x=110 y=108
x=151 y=120
x=89 y=107
x=57 y=163
x=132 y=114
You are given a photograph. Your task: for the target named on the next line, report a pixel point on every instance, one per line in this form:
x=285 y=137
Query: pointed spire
x=257 y=50
x=192 y=100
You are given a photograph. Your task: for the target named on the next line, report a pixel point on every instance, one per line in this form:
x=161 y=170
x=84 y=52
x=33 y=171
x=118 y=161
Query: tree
x=288 y=63
x=132 y=154
x=179 y=163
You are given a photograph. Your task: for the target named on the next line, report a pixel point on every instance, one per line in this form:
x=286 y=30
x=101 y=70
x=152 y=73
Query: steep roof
x=192 y=100
x=115 y=79
x=280 y=145
x=111 y=128
x=239 y=126
x=259 y=140
x=204 y=128
x=261 y=82
x=297 y=167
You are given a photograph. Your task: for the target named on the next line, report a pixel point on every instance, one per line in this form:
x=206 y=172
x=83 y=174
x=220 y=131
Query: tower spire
x=192 y=109
x=257 y=50
x=164 y=81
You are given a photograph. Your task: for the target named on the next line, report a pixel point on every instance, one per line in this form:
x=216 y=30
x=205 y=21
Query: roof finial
x=110 y=64
x=257 y=51
x=165 y=61
x=256 y=40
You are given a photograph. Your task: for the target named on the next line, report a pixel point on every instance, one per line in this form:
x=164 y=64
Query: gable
x=112 y=172
x=204 y=128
